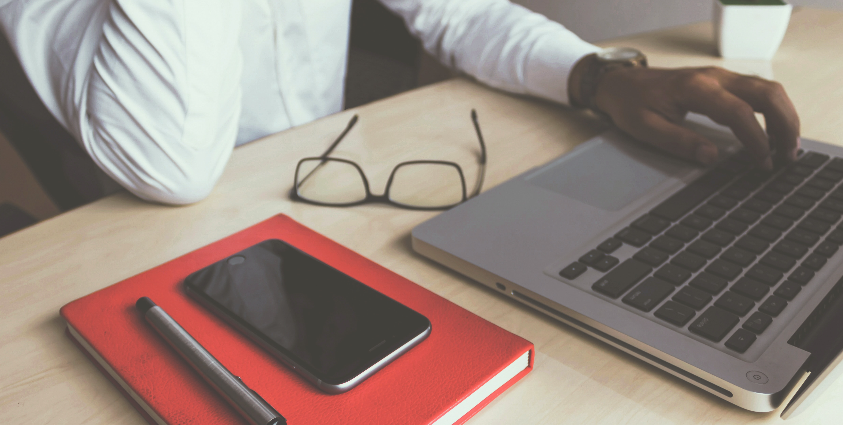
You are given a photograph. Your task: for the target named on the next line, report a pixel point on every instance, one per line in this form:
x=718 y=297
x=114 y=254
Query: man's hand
x=649 y=104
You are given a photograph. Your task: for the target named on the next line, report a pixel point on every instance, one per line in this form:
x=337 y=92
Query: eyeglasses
x=417 y=185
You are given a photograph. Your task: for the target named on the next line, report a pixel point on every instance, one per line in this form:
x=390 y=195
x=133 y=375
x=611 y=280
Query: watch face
x=619 y=54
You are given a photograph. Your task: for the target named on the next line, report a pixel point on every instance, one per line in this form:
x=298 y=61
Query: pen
x=251 y=405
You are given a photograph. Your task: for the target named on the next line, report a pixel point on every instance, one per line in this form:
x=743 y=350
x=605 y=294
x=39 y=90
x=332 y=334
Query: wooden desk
x=44 y=379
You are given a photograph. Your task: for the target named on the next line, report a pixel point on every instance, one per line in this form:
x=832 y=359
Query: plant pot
x=747 y=29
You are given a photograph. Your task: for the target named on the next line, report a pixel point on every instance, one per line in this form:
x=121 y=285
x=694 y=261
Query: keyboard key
x=751 y=180
x=724 y=269
x=834 y=176
x=825 y=215
x=800 y=202
x=801 y=275
x=813 y=225
x=714 y=324
x=778 y=261
x=791 y=249
x=800 y=170
x=573 y=270
x=718 y=237
x=769 y=196
x=724 y=202
x=693 y=298
x=692 y=195
x=740 y=340
x=732 y=226
x=696 y=222
x=735 y=193
x=709 y=283
x=835 y=205
x=673 y=274
x=789 y=211
x=667 y=244
x=683 y=233
x=789 y=178
x=836 y=236
x=814 y=262
x=826 y=249
x=780 y=187
x=738 y=256
x=651 y=256
x=757 y=205
x=767 y=233
x=836 y=164
x=606 y=263
x=710 y=212
x=735 y=303
x=633 y=237
x=619 y=280
x=777 y=222
x=773 y=305
x=610 y=245
x=704 y=249
x=688 y=261
x=812 y=159
x=675 y=313
x=651 y=224
x=765 y=274
x=820 y=184
x=744 y=215
x=592 y=257
x=803 y=237
x=750 y=288
x=788 y=290
x=815 y=194
x=752 y=244
x=648 y=294
x=758 y=322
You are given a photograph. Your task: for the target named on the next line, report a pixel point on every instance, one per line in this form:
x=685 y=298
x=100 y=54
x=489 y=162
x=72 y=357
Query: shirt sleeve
x=161 y=108
x=501 y=44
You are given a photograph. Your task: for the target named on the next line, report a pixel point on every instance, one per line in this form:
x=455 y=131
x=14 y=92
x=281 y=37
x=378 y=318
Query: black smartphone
x=330 y=328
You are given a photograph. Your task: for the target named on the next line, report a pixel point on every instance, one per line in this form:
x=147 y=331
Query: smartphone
x=328 y=327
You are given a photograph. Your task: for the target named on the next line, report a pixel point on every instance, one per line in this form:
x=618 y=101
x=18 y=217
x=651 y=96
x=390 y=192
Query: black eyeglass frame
x=385 y=198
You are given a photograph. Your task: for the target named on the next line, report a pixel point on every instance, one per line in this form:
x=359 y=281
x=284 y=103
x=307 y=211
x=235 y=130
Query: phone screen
x=319 y=318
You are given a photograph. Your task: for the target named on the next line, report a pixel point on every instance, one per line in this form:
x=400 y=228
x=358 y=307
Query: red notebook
x=464 y=363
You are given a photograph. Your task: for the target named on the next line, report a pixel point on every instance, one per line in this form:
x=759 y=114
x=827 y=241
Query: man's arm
x=649 y=104
x=163 y=96
x=509 y=47
x=499 y=43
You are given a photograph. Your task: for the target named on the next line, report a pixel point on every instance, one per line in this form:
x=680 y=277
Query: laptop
x=728 y=277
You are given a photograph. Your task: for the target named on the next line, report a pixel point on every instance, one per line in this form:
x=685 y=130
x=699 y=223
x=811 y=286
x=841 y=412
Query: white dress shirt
x=158 y=92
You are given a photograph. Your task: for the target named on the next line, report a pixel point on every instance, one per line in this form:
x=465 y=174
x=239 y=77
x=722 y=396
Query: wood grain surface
x=45 y=379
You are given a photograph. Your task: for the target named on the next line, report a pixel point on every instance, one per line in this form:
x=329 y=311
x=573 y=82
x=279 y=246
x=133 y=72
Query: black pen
x=251 y=405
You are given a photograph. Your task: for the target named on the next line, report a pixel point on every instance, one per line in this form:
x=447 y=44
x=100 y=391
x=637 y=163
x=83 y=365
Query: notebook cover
x=462 y=352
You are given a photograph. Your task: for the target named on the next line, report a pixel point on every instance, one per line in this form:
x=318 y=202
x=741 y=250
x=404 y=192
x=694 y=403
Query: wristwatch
x=601 y=63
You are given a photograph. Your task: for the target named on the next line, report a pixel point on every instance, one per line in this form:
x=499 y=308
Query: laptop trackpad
x=608 y=174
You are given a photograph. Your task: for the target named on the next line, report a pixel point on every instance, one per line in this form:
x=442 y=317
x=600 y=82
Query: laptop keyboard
x=724 y=256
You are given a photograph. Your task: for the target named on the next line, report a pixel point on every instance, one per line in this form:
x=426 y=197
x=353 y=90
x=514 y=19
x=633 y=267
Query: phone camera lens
x=237 y=259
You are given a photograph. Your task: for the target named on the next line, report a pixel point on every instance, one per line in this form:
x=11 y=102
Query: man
x=159 y=92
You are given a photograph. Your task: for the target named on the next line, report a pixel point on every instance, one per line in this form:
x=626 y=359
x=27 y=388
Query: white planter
x=750 y=31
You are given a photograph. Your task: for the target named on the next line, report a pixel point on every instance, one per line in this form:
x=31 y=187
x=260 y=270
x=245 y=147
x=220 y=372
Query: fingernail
x=795 y=150
x=706 y=154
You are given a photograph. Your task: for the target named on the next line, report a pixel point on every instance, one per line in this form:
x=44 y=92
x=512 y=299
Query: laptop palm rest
x=606 y=174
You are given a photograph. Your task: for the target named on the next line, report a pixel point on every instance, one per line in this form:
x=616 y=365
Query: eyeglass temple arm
x=330 y=149
x=482 y=168
x=341 y=136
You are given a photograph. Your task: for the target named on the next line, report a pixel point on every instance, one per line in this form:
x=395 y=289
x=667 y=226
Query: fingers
x=655 y=129
x=770 y=98
x=706 y=95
